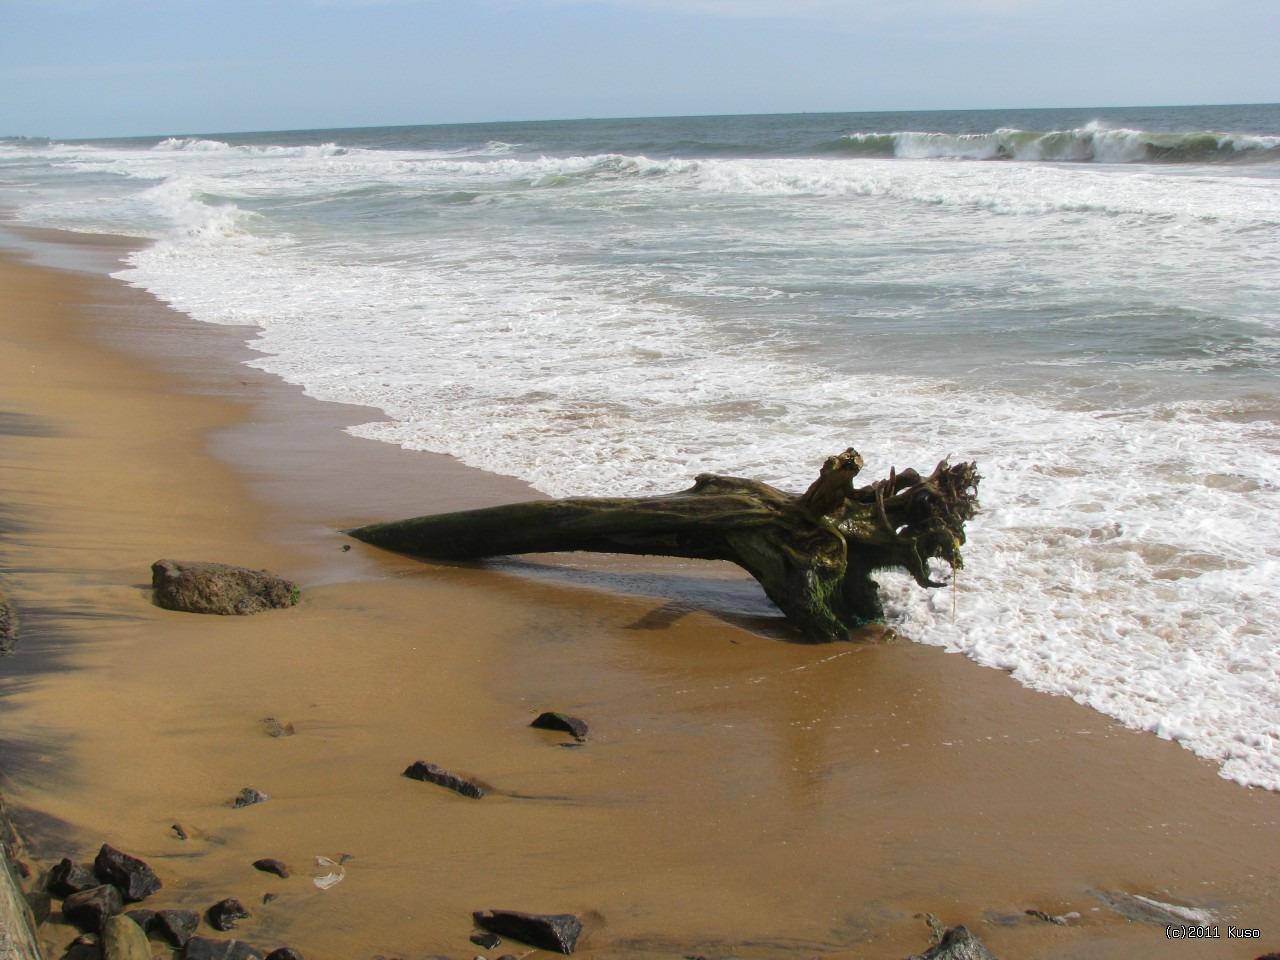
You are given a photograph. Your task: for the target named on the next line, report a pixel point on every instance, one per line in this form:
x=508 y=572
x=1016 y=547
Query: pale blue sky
x=86 y=68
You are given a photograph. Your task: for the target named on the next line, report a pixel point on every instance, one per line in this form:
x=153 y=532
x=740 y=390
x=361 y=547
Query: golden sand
x=738 y=794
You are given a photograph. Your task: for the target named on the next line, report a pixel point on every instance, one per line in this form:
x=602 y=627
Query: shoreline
x=868 y=782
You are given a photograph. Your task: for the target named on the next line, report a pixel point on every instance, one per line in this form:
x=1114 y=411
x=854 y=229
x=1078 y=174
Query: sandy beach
x=739 y=794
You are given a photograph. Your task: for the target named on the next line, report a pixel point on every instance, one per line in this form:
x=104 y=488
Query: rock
x=176 y=926
x=89 y=909
x=224 y=914
x=198 y=948
x=957 y=944
x=41 y=906
x=69 y=877
x=488 y=941
x=430 y=773
x=122 y=939
x=267 y=865
x=1142 y=909
x=284 y=953
x=87 y=947
x=562 y=722
x=179 y=832
x=143 y=918
x=218 y=588
x=1058 y=919
x=8 y=626
x=248 y=797
x=558 y=932
x=136 y=880
x=275 y=728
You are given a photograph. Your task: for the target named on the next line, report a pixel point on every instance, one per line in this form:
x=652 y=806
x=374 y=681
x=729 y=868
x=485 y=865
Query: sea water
x=1085 y=302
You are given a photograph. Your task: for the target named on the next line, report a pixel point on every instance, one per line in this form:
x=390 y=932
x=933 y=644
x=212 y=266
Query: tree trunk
x=813 y=553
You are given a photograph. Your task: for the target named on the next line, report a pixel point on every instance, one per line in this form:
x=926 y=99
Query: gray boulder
x=219 y=588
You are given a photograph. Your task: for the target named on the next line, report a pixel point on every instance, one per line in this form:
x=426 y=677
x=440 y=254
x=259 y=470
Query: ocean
x=1086 y=302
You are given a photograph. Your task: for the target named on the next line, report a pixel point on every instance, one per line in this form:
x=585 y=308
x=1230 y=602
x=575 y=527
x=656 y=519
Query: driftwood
x=813 y=553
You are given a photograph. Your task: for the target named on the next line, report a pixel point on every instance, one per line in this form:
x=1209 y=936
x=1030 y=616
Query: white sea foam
x=627 y=322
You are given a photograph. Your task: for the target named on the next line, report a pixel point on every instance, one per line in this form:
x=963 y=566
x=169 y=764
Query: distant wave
x=195 y=145
x=1091 y=143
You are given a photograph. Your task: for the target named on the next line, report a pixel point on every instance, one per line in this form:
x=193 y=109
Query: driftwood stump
x=814 y=553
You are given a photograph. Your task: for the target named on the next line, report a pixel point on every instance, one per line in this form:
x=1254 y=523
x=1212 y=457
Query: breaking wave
x=1094 y=143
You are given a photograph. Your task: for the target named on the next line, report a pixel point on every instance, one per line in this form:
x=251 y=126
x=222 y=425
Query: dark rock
x=486 y=940
x=1061 y=919
x=144 y=918
x=176 y=926
x=136 y=880
x=957 y=944
x=268 y=897
x=267 y=865
x=8 y=626
x=224 y=914
x=198 y=948
x=41 y=905
x=558 y=932
x=218 y=588
x=562 y=722
x=177 y=829
x=88 y=909
x=69 y=877
x=275 y=728
x=430 y=773
x=87 y=947
x=284 y=953
x=248 y=797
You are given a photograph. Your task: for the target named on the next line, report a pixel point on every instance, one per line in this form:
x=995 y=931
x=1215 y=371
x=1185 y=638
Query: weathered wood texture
x=813 y=553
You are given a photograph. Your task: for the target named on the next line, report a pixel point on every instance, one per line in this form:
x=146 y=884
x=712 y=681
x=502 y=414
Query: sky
x=100 y=68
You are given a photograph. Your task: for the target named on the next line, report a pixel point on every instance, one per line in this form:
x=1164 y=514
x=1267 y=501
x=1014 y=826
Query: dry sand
x=740 y=794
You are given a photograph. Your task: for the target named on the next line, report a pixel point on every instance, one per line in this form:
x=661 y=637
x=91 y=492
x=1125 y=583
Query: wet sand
x=739 y=794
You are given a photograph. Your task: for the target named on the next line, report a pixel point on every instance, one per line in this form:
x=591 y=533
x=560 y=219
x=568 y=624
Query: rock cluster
x=93 y=899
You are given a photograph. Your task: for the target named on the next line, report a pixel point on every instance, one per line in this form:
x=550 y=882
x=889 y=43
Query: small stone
x=176 y=926
x=224 y=914
x=144 y=918
x=275 y=728
x=69 y=877
x=177 y=828
x=267 y=898
x=267 y=865
x=89 y=909
x=430 y=773
x=558 y=932
x=562 y=722
x=284 y=953
x=487 y=940
x=136 y=880
x=248 y=797
x=122 y=939
x=198 y=948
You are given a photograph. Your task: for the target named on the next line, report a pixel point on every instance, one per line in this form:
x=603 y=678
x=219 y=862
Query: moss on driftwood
x=814 y=553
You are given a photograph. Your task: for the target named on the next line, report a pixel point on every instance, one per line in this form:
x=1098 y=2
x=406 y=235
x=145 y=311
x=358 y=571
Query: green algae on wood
x=814 y=553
